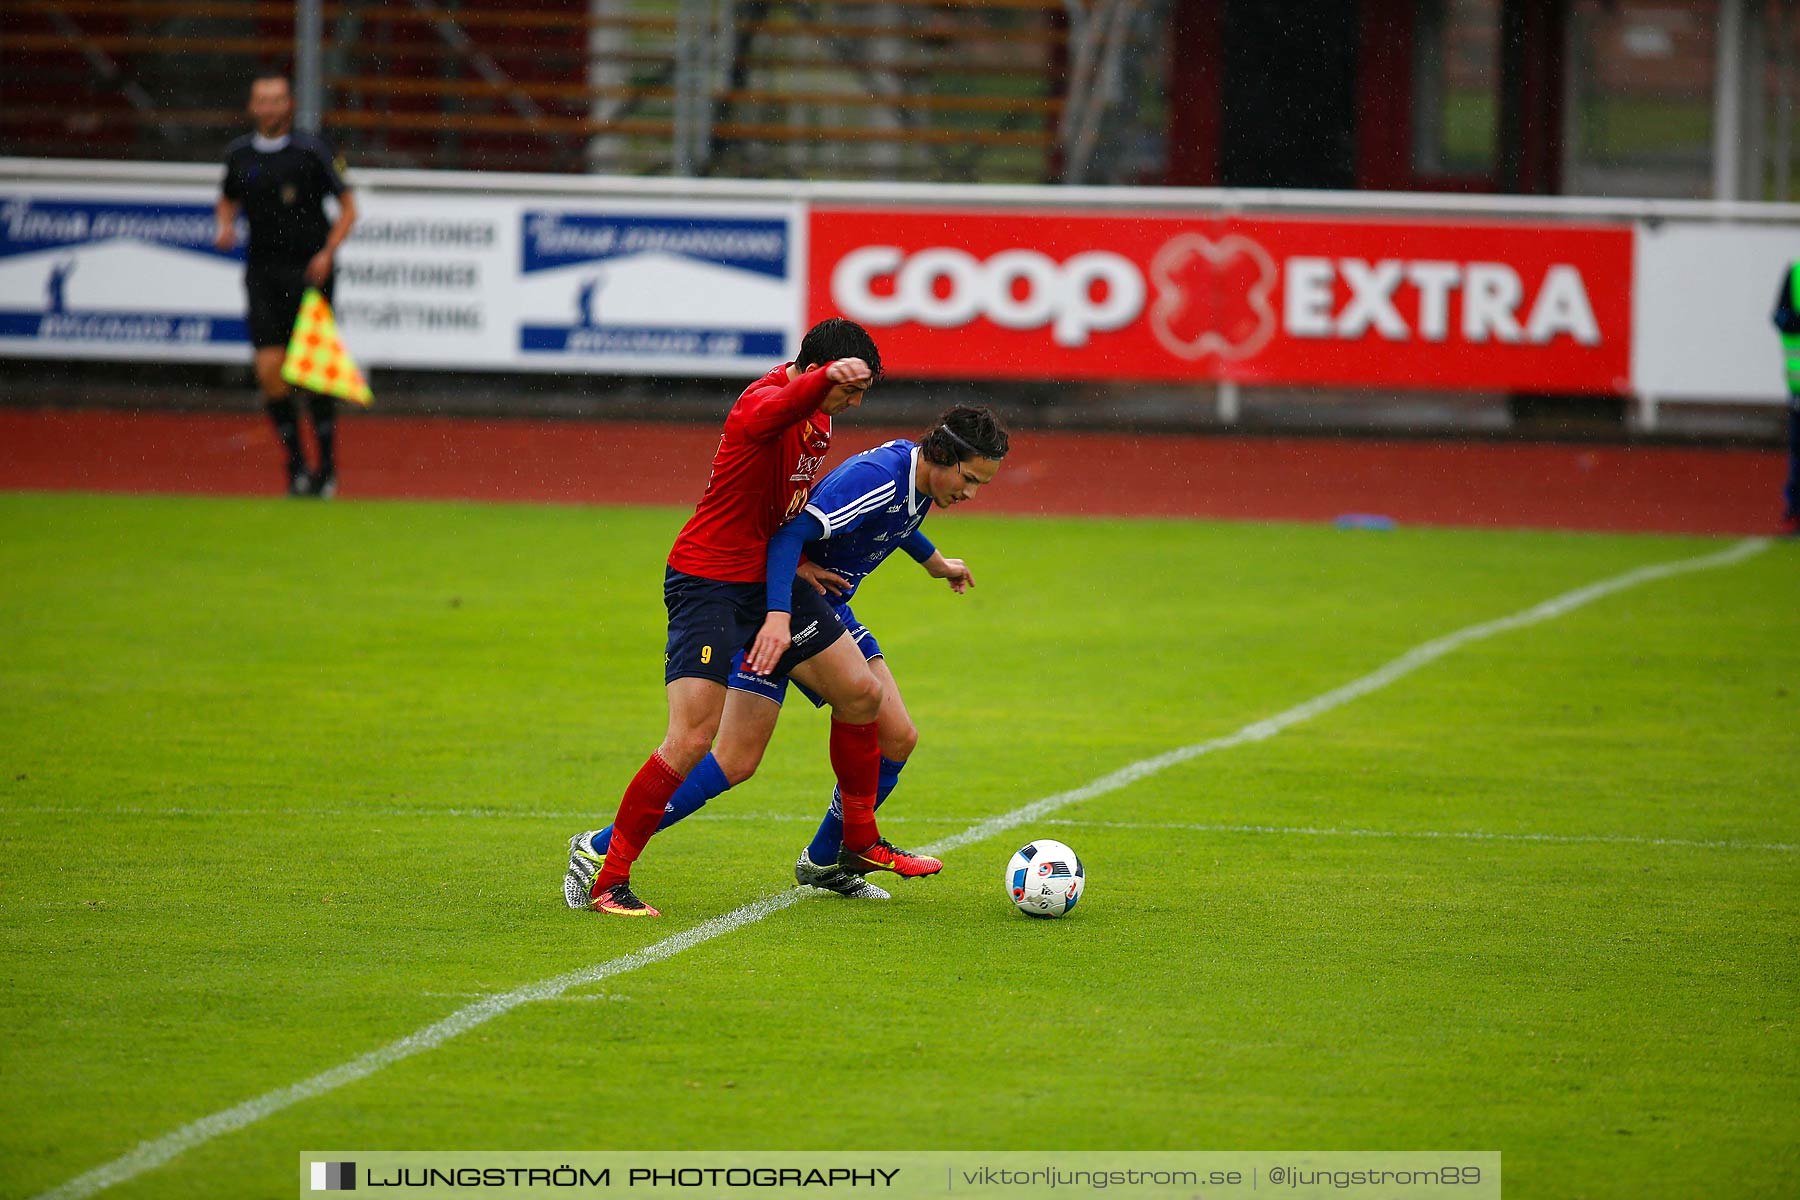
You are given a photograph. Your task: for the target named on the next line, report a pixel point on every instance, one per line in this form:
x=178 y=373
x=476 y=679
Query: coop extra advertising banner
x=1046 y=296
x=623 y=287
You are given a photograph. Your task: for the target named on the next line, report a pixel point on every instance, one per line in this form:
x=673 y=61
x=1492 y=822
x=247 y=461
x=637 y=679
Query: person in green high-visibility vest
x=1787 y=320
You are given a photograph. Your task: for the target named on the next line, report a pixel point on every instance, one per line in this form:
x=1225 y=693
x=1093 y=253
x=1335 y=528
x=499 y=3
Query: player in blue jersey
x=859 y=514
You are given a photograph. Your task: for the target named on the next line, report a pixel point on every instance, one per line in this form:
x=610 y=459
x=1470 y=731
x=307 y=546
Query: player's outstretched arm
x=783 y=560
x=823 y=580
x=839 y=504
x=935 y=564
x=772 y=641
x=849 y=370
x=764 y=413
x=955 y=570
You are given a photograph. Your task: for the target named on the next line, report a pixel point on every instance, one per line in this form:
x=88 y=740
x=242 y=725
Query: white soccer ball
x=1044 y=879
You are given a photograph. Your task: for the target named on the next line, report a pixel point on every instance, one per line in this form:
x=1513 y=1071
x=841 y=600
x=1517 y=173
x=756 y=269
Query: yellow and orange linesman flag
x=316 y=358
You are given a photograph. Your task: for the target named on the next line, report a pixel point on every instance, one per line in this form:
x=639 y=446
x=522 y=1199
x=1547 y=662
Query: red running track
x=1633 y=488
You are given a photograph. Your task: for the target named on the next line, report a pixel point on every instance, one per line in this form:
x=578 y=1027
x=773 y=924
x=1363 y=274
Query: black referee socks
x=324 y=419
x=286 y=419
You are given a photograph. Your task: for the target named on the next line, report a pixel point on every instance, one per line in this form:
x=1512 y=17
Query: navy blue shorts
x=774 y=685
x=712 y=622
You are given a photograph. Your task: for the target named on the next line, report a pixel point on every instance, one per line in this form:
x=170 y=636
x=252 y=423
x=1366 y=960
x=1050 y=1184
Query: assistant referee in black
x=278 y=179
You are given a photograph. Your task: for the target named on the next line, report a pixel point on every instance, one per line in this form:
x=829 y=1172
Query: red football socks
x=856 y=761
x=640 y=812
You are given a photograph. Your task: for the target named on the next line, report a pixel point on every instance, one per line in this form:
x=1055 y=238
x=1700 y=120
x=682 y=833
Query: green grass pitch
x=281 y=783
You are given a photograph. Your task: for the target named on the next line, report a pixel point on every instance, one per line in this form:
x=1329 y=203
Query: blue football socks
x=830 y=839
x=707 y=781
x=702 y=784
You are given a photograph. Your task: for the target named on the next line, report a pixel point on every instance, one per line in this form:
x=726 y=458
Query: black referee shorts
x=274 y=290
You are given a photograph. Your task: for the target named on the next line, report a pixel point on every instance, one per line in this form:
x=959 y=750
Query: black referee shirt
x=282 y=184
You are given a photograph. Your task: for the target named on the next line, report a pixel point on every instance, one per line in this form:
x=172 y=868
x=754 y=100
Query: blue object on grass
x=1364 y=521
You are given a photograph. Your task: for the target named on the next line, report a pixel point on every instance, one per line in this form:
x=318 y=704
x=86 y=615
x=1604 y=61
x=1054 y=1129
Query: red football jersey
x=774 y=444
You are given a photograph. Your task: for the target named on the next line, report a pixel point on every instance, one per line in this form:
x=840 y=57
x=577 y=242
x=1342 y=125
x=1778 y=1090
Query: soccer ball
x=1044 y=879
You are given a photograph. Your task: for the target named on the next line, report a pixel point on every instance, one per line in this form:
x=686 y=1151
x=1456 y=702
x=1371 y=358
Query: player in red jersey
x=775 y=441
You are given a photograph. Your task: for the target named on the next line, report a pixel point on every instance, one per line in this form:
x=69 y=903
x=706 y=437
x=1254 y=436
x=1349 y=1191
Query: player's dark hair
x=835 y=338
x=963 y=433
x=263 y=73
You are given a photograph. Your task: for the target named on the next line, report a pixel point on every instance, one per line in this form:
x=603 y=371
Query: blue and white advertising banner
x=703 y=288
x=95 y=272
x=630 y=287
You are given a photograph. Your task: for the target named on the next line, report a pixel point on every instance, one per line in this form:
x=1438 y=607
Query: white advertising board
x=708 y=277
x=1702 y=300
x=637 y=286
x=128 y=272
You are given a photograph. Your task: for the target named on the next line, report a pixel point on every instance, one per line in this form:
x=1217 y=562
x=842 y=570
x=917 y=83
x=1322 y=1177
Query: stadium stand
x=910 y=89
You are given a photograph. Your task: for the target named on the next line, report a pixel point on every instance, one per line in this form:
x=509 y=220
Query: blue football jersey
x=868 y=506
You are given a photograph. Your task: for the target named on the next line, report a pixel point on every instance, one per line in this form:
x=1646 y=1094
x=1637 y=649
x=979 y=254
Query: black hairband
x=951 y=434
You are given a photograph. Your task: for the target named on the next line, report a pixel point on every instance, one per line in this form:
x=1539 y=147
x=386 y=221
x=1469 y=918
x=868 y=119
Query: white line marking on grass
x=152 y=1154
x=1472 y=835
x=422 y=812
x=911 y=819
x=584 y=998
x=1406 y=664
